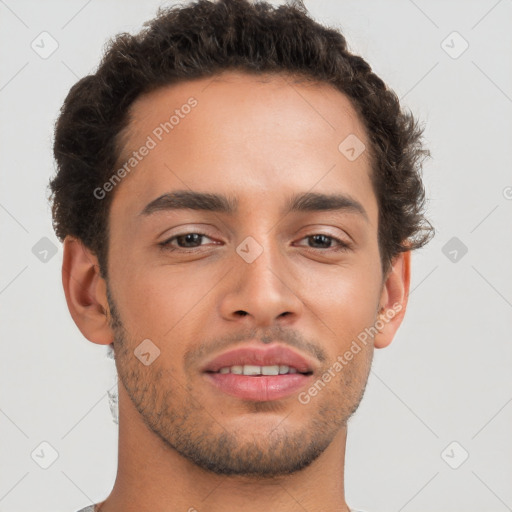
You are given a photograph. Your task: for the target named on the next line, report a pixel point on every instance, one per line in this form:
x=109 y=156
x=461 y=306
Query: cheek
x=345 y=300
x=157 y=301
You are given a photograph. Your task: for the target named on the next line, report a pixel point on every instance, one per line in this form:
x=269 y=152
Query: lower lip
x=260 y=388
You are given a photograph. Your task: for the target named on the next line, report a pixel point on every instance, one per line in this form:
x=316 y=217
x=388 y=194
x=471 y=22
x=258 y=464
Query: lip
x=262 y=387
x=260 y=356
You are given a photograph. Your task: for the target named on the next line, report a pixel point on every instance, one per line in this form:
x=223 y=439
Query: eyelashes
x=341 y=245
x=195 y=237
x=167 y=243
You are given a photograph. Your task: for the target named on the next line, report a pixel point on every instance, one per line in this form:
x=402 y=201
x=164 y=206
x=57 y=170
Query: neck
x=153 y=476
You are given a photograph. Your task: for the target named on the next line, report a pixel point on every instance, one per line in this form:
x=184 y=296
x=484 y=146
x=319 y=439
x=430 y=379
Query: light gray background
x=447 y=375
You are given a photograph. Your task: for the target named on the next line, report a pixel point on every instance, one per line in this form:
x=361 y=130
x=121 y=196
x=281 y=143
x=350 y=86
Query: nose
x=259 y=293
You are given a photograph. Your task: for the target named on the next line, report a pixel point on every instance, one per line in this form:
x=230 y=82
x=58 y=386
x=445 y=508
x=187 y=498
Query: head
x=234 y=174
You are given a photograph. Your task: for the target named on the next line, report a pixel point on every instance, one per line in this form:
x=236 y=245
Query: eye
x=325 y=242
x=184 y=241
x=193 y=241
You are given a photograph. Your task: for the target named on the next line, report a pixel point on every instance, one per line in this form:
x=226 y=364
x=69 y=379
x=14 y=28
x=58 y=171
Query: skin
x=183 y=444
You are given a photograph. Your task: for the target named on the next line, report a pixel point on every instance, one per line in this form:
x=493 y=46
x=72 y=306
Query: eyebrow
x=306 y=202
x=185 y=199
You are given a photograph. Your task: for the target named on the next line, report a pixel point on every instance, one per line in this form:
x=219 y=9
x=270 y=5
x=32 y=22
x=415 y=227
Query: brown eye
x=184 y=241
x=326 y=242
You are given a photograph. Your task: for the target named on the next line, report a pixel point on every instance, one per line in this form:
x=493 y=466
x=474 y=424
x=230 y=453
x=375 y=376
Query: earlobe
x=393 y=301
x=86 y=292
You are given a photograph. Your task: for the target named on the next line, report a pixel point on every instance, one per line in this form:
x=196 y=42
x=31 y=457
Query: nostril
x=241 y=313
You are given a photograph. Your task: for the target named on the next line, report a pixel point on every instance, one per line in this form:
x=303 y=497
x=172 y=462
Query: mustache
x=290 y=337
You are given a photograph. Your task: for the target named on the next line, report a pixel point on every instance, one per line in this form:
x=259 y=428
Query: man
x=238 y=197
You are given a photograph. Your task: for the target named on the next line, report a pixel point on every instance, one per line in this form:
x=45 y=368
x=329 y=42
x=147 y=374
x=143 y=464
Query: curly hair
x=205 y=38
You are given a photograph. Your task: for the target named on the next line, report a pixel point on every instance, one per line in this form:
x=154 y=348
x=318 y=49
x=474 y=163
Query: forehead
x=251 y=133
x=248 y=102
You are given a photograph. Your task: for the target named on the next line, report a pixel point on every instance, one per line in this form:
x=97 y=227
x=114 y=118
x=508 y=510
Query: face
x=263 y=266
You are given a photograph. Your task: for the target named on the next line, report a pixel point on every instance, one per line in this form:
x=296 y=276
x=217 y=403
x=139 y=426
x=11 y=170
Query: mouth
x=252 y=370
x=259 y=373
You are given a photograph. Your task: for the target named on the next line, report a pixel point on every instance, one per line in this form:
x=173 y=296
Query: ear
x=86 y=292
x=393 y=300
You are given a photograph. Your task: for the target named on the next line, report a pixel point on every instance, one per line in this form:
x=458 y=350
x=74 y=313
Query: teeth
x=251 y=369
x=270 y=370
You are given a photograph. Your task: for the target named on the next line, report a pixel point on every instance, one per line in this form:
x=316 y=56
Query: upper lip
x=260 y=356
